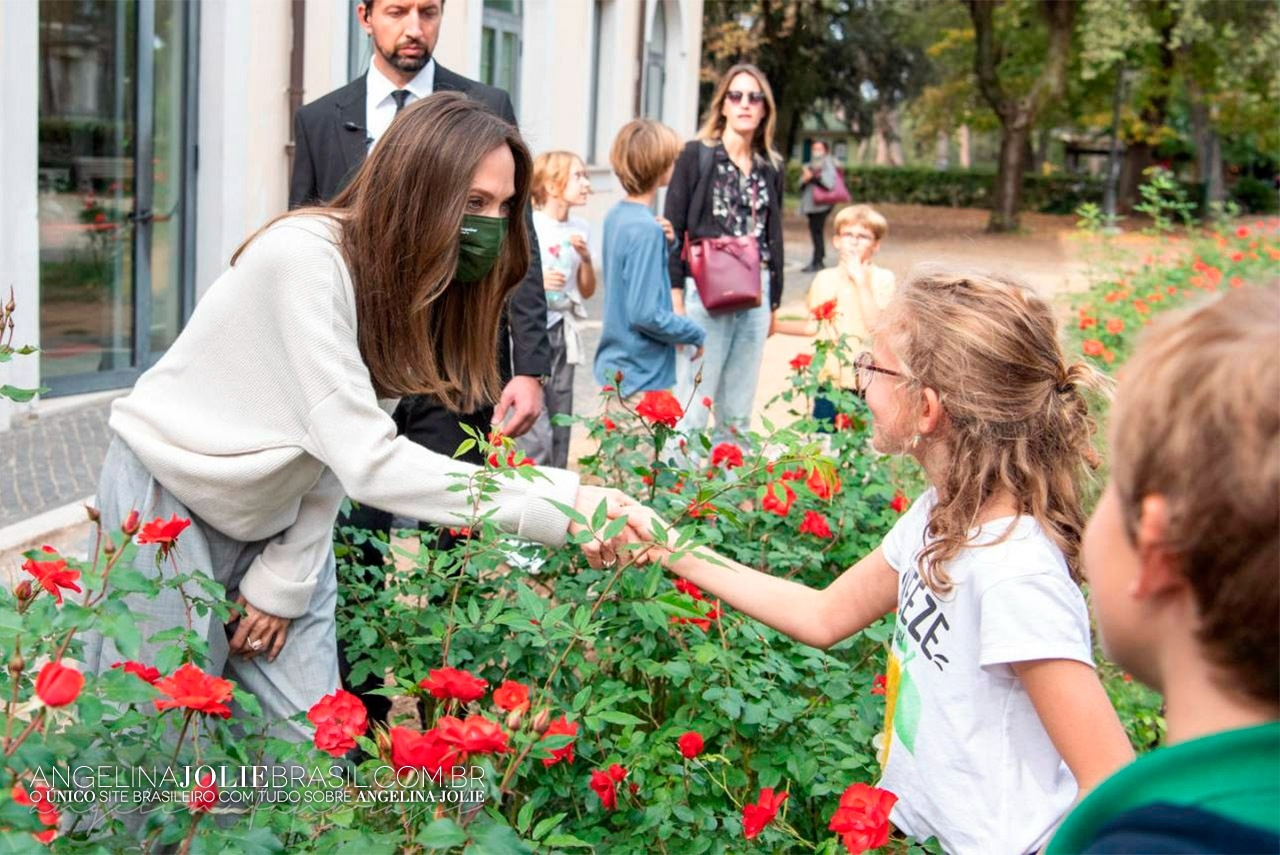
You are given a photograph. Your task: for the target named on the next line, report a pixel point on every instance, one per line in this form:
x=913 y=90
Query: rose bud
x=382 y=737
x=131 y=523
x=513 y=719
x=542 y=721
x=94 y=516
x=23 y=591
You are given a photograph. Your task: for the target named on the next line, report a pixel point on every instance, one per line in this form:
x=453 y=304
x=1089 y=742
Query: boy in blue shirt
x=641 y=330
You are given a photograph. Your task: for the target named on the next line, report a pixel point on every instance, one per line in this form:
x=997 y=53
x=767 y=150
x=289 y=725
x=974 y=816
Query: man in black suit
x=332 y=135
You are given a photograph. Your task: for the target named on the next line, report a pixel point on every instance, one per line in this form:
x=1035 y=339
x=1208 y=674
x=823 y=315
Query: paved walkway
x=51 y=461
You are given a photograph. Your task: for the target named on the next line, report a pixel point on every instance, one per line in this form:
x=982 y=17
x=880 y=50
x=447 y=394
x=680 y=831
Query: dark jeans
x=424 y=421
x=817 y=230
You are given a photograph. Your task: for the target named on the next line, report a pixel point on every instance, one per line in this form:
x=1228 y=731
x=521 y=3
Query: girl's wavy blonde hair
x=1016 y=421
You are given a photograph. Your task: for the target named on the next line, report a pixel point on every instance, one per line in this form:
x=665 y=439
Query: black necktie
x=400 y=96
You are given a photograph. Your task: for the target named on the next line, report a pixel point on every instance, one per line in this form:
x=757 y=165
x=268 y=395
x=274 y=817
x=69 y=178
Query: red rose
x=609 y=424
x=825 y=312
x=843 y=421
x=53 y=575
x=815 y=524
x=774 y=504
x=706 y=402
x=454 y=683
x=40 y=798
x=900 y=502
x=1093 y=347
x=862 y=817
x=602 y=785
x=204 y=795
x=684 y=586
x=193 y=689
x=604 y=390
x=1086 y=322
x=1242 y=232
x=801 y=362
x=475 y=735
x=339 y=718
x=1115 y=326
x=426 y=751
x=726 y=454
x=660 y=408
x=146 y=673
x=880 y=685
x=560 y=727
x=691 y=744
x=511 y=696
x=57 y=685
x=820 y=486
x=756 y=816
x=163 y=532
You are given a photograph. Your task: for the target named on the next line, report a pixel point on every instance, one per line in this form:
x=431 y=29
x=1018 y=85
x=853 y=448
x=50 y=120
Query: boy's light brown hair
x=642 y=153
x=862 y=215
x=551 y=171
x=1197 y=421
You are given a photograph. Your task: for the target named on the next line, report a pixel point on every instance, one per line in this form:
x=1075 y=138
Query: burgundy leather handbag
x=837 y=195
x=726 y=269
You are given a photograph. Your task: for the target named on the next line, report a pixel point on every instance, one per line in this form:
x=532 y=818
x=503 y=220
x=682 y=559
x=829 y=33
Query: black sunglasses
x=735 y=96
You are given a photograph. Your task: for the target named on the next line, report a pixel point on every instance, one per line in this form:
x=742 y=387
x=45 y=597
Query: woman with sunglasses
x=994 y=717
x=728 y=181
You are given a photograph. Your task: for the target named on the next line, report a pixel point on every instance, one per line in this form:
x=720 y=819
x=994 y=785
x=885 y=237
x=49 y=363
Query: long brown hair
x=399 y=220
x=714 y=122
x=1016 y=422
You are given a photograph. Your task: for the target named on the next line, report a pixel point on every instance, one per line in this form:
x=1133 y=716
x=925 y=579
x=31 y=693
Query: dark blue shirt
x=641 y=329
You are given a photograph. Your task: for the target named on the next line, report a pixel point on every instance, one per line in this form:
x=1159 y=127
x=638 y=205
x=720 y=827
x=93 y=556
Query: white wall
x=20 y=228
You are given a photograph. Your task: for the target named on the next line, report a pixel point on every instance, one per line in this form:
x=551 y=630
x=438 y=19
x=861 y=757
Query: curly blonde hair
x=1016 y=421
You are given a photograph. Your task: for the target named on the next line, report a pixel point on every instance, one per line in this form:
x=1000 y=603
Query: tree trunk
x=1008 y=191
x=942 y=151
x=966 y=160
x=888 y=145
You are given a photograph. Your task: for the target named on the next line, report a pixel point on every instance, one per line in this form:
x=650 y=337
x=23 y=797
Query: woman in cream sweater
x=275 y=401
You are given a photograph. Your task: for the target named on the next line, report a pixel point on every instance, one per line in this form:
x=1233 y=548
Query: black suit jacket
x=327 y=155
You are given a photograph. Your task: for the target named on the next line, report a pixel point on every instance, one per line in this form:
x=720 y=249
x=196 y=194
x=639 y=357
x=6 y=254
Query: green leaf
x=442 y=834
x=620 y=718
x=524 y=817
x=532 y=604
x=131 y=580
x=545 y=826
x=169 y=658
x=13 y=393
x=568 y=840
x=122 y=628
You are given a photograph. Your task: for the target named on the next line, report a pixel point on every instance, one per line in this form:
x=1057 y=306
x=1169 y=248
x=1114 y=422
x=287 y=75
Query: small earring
x=915 y=442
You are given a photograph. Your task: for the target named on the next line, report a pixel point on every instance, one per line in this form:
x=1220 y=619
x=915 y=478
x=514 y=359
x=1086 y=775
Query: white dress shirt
x=380 y=107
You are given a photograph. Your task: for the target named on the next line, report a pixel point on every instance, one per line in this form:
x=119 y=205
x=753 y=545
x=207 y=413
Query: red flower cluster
x=862 y=818
x=560 y=727
x=193 y=689
x=609 y=424
x=815 y=524
x=474 y=735
x=454 y=683
x=57 y=685
x=1115 y=326
x=42 y=801
x=53 y=575
x=690 y=744
x=756 y=816
x=825 y=312
x=821 y=486
x=146 y=673
x=880 y=685
x=900 y=502
x=163 y=533
x=843 y=421
x=706 y=402
x=686 y=587
x=513 y=461
x=660 y=408
x=450 y=743
x=512 y=696
x=339 y=718
x=726 y=454
x=778 y=503
x=801 y=361
x=604 y=783
x=204 y=795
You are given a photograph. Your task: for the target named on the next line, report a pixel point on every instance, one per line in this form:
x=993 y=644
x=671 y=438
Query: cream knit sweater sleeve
x=263 y=415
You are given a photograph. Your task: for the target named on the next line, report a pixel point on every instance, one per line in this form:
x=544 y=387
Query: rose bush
x=614 y=710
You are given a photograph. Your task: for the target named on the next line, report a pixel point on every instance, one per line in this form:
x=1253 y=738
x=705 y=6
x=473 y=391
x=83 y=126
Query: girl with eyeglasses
x=728 y=181
x=995 y=721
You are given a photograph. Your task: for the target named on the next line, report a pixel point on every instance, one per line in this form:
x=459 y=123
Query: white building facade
x=147 y=138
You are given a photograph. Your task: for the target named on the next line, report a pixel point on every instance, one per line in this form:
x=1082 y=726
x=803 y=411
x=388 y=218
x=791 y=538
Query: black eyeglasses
x=735 y=96
x=865 y=370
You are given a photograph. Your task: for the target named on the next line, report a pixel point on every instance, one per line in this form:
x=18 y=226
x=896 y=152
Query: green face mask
x=479 y=246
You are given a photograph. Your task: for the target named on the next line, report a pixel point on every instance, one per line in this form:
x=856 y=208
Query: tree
x=1018 y=95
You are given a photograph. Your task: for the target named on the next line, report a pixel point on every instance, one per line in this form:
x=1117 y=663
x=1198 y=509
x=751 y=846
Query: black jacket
x=327 y=154
x=688 y=207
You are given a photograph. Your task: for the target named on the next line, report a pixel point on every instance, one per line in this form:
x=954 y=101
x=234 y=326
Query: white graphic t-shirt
x=964 y=749
x=558 y=254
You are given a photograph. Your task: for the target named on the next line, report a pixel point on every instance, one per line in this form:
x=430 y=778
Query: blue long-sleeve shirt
x=641 y=329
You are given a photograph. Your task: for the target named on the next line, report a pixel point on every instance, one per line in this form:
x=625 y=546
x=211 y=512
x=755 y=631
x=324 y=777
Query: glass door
x=115 y=181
